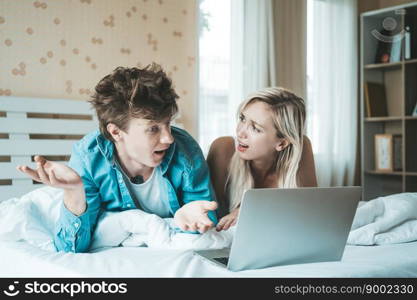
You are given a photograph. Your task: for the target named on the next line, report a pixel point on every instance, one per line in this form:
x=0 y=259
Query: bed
x=42 y=134
x=33 y=126
x=22 y=260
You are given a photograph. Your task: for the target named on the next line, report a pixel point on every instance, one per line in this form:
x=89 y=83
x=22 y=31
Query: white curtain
x=290 y=18
x=332 y=89
x=252 y=59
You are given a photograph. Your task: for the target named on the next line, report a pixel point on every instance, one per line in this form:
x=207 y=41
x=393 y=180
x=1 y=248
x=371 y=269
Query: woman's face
x=256 y=134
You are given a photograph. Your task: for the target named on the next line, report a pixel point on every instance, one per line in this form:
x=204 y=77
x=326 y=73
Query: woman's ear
x=281 y=144
x=114 y=131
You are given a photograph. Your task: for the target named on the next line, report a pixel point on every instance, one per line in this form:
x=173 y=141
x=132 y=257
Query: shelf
x=389 y=119
x=411 y=61
x=383 y=66
x=395 y=173
x=400 y=82
x=383 y=119
x=391 y=65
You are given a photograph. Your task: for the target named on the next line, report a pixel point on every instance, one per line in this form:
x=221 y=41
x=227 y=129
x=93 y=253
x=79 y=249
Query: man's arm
x=196 y=215
x=197 y=185
x=75 y=225
x=79 y=209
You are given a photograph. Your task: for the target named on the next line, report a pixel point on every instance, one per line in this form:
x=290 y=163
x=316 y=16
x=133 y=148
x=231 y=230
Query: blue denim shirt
x=183 y=167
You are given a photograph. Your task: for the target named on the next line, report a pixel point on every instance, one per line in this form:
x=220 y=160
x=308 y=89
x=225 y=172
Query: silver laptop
x=289 y=226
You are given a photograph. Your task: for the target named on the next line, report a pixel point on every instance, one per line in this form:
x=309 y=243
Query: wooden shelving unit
x=400 y=80
x=384 y=65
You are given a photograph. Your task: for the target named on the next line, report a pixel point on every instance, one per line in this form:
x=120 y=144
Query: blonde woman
x=269 y=151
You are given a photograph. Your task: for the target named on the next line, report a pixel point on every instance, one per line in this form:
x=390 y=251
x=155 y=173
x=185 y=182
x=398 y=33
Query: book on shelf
x=397 y=152
x=375 y=100
x=414 y=113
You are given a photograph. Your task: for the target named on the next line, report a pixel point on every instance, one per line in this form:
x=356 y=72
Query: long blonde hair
x=288 y=114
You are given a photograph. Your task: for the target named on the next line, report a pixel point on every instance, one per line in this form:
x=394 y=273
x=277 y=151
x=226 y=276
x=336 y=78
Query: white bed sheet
x=20 y=259
x=27 y=224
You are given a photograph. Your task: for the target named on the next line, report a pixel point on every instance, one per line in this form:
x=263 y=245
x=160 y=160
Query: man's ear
x=114 y=131
x=281 y=144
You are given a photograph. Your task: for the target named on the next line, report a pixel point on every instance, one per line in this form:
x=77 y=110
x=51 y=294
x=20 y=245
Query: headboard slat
x=35 y=105
x=8 y=170
x=46 y=126
x=36 y=147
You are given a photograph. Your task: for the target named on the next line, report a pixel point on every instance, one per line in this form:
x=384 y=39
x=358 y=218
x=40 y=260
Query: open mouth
x=160 y=152
x=242 y=147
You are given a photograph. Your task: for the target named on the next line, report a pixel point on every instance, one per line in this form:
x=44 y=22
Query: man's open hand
x=193 y=216
x=53 y=174
x=61 y=176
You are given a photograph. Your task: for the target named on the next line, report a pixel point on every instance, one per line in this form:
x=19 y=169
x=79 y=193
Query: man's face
x=145 y=142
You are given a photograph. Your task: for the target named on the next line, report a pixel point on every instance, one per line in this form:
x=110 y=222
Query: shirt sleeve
x=73 y=233
x=197 y=184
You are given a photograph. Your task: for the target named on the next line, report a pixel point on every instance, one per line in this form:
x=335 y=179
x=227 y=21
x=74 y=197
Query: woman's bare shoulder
x=222 y=148
x=218 y=160
x=223 y=143
x=307 y=170
x=306 y=141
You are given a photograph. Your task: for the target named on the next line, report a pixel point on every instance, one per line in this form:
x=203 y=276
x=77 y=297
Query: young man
x=135 y=160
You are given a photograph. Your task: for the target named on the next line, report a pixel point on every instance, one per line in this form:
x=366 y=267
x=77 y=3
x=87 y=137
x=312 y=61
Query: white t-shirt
x=151 y=195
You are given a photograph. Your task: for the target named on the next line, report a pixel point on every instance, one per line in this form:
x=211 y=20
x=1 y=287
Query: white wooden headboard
x=34 y=126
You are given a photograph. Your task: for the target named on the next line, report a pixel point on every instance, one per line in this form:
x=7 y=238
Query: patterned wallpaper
x=62 y=48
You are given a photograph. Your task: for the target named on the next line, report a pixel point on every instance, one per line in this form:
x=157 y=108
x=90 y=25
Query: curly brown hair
x=133 y=93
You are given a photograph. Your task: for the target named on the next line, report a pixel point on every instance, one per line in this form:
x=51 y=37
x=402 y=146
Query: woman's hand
x=193 y=216
x=53 y=174
x=228 y=221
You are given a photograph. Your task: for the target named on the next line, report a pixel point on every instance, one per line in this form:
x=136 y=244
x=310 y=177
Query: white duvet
x=32 y=218
x=385 y=220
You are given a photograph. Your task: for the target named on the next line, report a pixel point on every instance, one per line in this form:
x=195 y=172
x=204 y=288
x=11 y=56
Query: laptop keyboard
x=222 y=260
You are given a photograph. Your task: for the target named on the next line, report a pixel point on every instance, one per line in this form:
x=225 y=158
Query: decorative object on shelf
x=375 y=99
x=388 y=148
x=407 y=42
x=395 y=55
x=383 y=50
x=414 y=113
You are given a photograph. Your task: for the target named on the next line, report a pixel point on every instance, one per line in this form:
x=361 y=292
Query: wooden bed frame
x=35 y=126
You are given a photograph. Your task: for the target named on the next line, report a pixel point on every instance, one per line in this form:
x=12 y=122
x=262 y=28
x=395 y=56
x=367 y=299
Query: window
x=214 y=65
